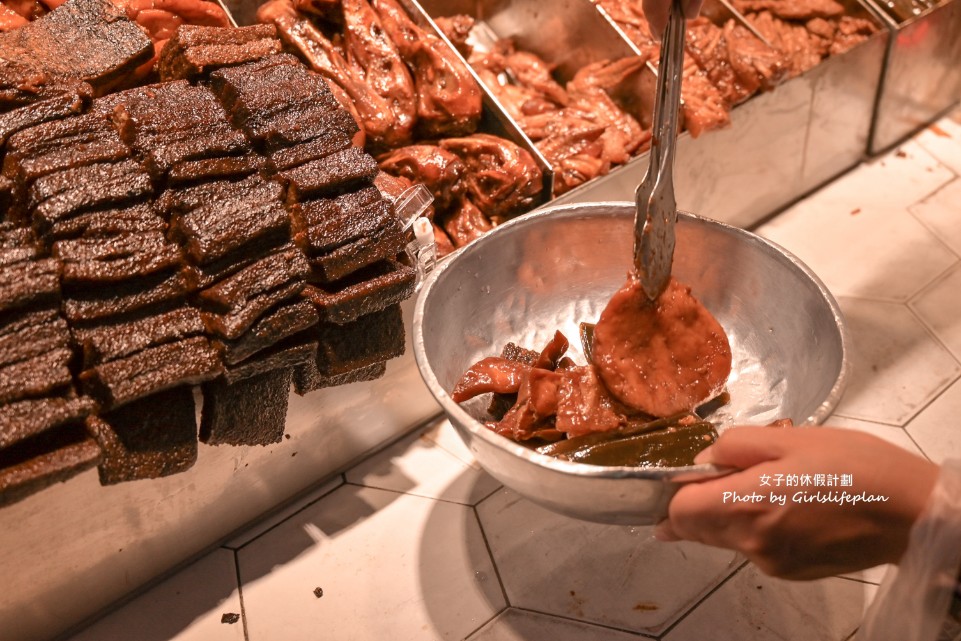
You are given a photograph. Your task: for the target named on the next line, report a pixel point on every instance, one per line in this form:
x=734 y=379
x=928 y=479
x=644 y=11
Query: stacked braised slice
x=70 y=167
x=341 y=221
x=196 y=50
x=235 y=233
x=250 y=277
x=42 y=435
x=88 y=40
x=181 y=133
x=71 y=98
x=142 y=345
x=164 y=237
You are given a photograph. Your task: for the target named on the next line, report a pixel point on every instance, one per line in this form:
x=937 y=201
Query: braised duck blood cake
x=110 y=341
x=149 y=438
x=196 y=50
x=161 y=237
x=229 y=406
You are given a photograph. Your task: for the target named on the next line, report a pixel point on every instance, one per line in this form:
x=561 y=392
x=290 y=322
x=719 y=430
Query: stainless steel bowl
x=557 y=267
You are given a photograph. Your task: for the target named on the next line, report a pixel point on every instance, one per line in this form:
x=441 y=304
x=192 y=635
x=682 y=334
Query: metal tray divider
x=609 y=45
x=903 y=106
x=495 y=116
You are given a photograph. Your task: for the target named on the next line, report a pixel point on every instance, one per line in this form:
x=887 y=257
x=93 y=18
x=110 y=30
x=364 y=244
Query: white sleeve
x=913 y=601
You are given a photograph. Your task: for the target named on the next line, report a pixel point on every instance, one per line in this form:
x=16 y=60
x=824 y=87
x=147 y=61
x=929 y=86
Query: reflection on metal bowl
x=557 y=267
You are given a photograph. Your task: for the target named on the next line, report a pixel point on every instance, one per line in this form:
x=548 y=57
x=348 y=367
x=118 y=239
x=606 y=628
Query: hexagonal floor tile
x=199 y=603
x=890 y=433
x=284 y=512
x=521 y=625
x=935 y=429
x=941 y=213
x=363 y=564
x=897 y=367
x=837 y=241
x=611 y=575
x=896 y=180
x=760 y=608
x=418 y=465
x=939 y=307
x=942 y=140
x=444 y=435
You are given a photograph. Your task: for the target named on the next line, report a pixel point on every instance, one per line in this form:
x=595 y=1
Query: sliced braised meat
x=660 y=357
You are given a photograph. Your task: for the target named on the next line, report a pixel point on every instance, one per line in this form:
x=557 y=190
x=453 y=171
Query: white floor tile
x=939 y=307
x=200 y=603
x=937 y=429
x=444 y=434
x=941 y=213
x=889 y=433
x=943 y=141
x=611 y=575
x=418 y=465
x=897 y=366
x=520 y=625
x=755 y=607
x=875 y=251
x=896 y=180
x=284 y=513
x=387 y=565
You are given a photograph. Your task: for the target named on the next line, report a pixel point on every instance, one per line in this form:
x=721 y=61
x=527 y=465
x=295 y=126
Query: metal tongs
x=656 y=207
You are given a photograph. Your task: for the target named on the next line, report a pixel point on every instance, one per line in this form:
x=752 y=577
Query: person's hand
x=657 y=11
x=799 y=539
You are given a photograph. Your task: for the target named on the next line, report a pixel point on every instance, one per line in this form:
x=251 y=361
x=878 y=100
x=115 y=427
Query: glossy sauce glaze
x=650 y=364
x=660 y=357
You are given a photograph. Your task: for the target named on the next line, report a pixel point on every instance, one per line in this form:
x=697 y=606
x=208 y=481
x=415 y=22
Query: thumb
x=744 y=447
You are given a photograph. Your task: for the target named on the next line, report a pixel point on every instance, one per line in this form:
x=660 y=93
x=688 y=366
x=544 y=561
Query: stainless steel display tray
x=780 y=144
x=922 y=75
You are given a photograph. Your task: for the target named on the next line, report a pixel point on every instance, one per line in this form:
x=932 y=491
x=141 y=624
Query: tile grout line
x=930 y=285
x=604 y=626
x=476 y=505
x=704 y=598
x=490 y=554
x=240 y=595
x=343 y=482
x=918 y=445
x=490 y=494
x=936 y=191
x=876 y=423
x=342 y=474
x=485 y=623
x=853 y=579
x=403 y=493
